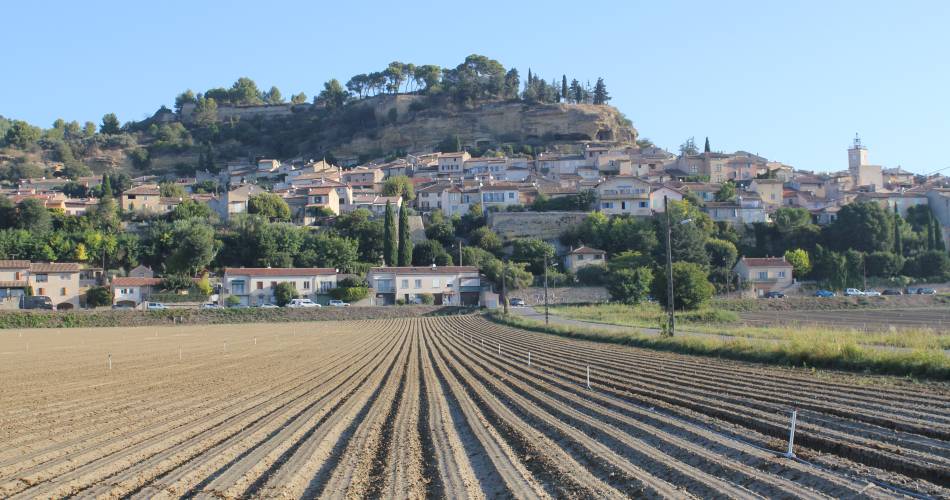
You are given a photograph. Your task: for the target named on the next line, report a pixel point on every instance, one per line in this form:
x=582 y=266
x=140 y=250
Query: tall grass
x=804 y=351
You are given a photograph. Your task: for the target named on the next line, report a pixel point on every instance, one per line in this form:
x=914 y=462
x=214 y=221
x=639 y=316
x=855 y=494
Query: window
x=237 y=287
x=598 y=257
x=436 y=283
x=405 y=284
x=306 y=285
x=511 y=196
x=62 y=292
x=763 y=275
x=42 y=291
x=418 y=283
x=781 y=274
x=623 y=205
x=580 y=257
x=273 y=284
x=42 y=278
x=326 y=286
x=643 y=204
x=17 y=276
x=260 y=285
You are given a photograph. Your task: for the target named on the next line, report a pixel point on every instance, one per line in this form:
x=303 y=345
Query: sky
x=792 y=81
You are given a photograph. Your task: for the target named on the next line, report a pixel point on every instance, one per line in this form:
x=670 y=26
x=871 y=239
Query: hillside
x=378 y=115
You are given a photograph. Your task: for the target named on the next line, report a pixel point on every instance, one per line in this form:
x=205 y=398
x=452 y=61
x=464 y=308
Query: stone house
x=764 y=274
x=57 y=280
x=624 y=195
x=584 y=256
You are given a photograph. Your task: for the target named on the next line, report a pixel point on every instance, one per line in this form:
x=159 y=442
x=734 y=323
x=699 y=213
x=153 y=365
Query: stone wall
x=543 y=225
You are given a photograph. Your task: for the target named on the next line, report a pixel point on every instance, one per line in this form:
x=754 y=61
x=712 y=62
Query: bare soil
x=442 y=407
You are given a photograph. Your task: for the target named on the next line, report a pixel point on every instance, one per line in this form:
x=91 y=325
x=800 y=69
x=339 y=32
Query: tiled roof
x=586 y=251
x=14 y=264
x=132 y=281
x=279 y=271
x=765 y=262
x=146 y=189
x=54 y=267
x=425 y=269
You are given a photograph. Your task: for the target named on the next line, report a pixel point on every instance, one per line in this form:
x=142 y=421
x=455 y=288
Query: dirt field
x=937 y=319
x=428 y=407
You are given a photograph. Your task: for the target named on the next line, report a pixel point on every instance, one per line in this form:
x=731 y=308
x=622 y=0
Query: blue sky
x=792 y=81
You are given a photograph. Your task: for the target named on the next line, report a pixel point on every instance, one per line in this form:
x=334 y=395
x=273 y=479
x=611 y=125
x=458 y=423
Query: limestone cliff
x=487 y=124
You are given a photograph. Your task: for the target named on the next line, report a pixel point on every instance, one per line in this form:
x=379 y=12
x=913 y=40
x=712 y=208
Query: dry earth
x=433 y=407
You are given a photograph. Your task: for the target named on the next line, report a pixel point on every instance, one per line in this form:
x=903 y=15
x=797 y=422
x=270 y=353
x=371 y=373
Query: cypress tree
x=938 y=236
x=564 y=87
x=898 y=242
x=405 y=243
x=706 y=149
x=600 y=92
x=106 y=186
x=930 y=233
x=390 y=250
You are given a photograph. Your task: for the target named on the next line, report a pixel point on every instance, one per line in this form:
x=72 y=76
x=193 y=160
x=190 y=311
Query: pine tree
x=564 y=87
x=600 y=92
x=405 y=242
x=390 y=245
x=577 y=92
x=706 y=149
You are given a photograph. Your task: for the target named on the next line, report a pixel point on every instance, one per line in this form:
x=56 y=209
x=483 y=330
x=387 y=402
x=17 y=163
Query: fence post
x=791 y=436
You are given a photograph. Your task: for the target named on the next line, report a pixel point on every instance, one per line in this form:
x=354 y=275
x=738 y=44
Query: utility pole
x=504 y=289
x=460 y=253
x=669 y=266
x=545 y=289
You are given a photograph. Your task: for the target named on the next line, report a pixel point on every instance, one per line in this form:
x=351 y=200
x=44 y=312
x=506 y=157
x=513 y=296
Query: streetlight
x=671 y=322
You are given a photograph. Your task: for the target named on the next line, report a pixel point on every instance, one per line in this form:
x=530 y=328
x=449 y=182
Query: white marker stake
x=791 y=436
x=529 y=359
x=588 y=376
x=255 y=340
x=179 y=353
x=499 y=348
x=110 y=361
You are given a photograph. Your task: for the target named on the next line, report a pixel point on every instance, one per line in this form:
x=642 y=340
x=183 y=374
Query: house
x=374 y=203
x=57 y=280
x=764 y=274
x=325 y=197
x=235 y=200
x=500 y=195
x=624 y=195
x=448 y=285
x=254 y=286
x=145 y=198
x=661 y=192
x=363 y=177
x=453 y=164
x=747 y=209
x=131 y=291
x=584 y=256
x=770 y=190
x=141 y=271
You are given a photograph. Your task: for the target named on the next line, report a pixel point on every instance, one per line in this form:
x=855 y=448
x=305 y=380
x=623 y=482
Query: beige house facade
x=448 y=285
x=254 y=286
x=57 y=280
x=765 y=274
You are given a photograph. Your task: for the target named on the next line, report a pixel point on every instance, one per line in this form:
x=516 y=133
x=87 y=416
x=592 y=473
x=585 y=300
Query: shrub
x=176 y=282
x=349 y=294
x=629 y=286
x=204 y=285
x=99 y=296
x=427 y=298
x=232 y=300
x=284 y=293
x=691 y=286
x=591 y=275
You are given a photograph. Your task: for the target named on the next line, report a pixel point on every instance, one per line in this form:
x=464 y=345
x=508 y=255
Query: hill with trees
x=485 y=107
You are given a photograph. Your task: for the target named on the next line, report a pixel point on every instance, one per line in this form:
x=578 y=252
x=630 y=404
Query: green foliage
x=581 y=202
x=390 y=238
x=865 y=226
x=722 y=253
x=204 y=285
x=728 y=190
x=176 y=282
x=800 y=261
x=691 y=286
x=441 y=230
x=284 y=292
x=189 y=209
x=600 y=92
x=33 y=215
x=929 y=264
x=405 y=238
x=99 y=296
x=350 y=294
x=110 y=125
x=883 y=264
x=592 y=275
x=426 y=298
x=533 y=252
x=270 y=206
x=430 y=252
x=486 y=239
x=21 y=134
x=629 y=286
x=232 y=300
x=194 y=246
x=333 y=96
x=451 y=144
x=399 y=185
x=327 y=250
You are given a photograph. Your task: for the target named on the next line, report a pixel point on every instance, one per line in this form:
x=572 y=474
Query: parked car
x=516 y=302
x=211 y=305
x=911 y=291
x=824 y=293
x=123 y=306
x=853 y=292
x=36 y=302
x=871 y=293
x=339 y=303
x=892 y=291
x=155 y=306
x=775 y=295
x=926 y=291
x=269 y=306
x=302 y=303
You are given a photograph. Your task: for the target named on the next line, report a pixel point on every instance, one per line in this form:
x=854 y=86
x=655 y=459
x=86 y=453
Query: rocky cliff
x=494 y=123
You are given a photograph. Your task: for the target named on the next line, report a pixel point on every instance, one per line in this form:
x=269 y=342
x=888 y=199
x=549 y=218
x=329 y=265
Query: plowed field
x=442 y=407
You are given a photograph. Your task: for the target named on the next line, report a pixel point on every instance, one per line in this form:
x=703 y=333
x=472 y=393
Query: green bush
x=629 y=286
x=427 y=298
x=349 y=294
x=232 y=300
x=591 y=275
x=284 y=293
x=99 y=296
x=691 y=286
